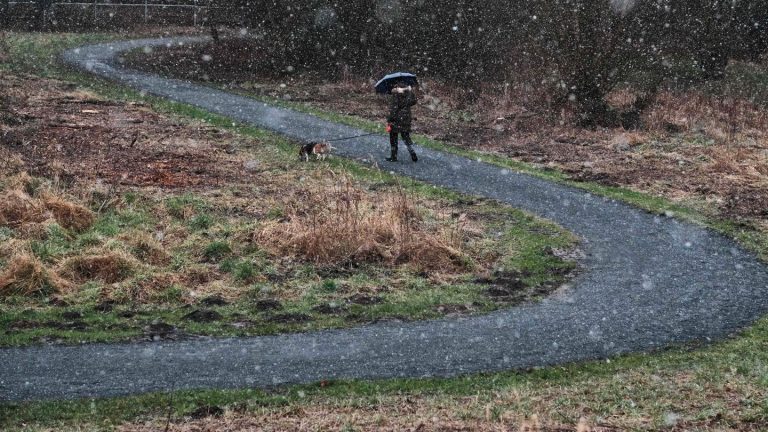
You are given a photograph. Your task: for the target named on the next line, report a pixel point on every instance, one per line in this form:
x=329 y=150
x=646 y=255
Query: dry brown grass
x=68 y=214
x=386 y=418
x=19 y=208
x=146 y=248
x=106 y=266
x=22 y=211
x=25 y=275
x=143 y=290
x=726 y=120
x=345 y=225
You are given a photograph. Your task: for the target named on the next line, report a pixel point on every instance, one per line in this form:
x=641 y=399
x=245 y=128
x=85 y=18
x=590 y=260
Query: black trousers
x=406 y=139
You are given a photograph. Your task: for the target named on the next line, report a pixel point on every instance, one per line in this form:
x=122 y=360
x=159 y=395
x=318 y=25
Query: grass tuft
x=19 y=209
x=107 y=267
x=25 y=205
x=145 y=248
x=345 y=226
x=68 y=214
x=216 y=250
x=26 y=276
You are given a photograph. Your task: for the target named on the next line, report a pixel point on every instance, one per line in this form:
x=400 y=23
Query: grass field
x=137 y=233
x=723 y=386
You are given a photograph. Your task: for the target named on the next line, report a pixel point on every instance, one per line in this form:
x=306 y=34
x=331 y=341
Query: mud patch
x=506 y=286
x=329 y=309
x=203 y=316
x=159 y=329
x=206 y=411
x=214 y=300
x=289 y=318
x=268 y=305
x=364 y=299
x=72 y=315
x=24 y=325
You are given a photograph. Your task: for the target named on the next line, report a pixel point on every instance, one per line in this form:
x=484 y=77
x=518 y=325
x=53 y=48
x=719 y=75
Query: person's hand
x=389 y=127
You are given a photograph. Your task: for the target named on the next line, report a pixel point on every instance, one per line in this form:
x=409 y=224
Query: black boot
x=413 y=155
x=393 y=157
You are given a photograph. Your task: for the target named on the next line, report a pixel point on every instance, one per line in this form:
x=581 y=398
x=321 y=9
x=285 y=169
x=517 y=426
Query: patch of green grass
x=216 y=250
x=244 y=270
x=182 y=206
x=172 y=294
x=48 y=324
x=116 y=221
x=201 y=221
x=6 y=233
x=57 y=242
x=329 y=285
x=38 y=53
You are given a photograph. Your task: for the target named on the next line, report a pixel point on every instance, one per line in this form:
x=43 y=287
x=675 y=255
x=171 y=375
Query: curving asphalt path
x=650 y=281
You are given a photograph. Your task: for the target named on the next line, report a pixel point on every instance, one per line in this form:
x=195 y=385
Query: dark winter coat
x=400 y=111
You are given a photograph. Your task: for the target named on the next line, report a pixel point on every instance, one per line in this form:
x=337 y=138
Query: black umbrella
x=386 y=84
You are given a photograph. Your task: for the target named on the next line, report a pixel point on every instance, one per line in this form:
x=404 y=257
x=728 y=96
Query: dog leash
x=350 y=137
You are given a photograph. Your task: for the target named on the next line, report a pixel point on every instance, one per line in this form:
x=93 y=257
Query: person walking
x=399 y=119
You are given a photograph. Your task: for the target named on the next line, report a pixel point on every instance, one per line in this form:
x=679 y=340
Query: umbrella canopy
x=386 y=84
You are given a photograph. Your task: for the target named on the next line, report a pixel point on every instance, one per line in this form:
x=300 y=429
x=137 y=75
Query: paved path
x=650 y=281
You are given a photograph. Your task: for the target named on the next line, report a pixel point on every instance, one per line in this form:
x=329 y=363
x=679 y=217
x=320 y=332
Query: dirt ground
x=708 y=151
x=61 y=132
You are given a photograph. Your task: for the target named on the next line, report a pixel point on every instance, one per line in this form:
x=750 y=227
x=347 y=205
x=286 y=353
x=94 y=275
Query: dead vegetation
x=31 y=217
x=346 y=226
x=146 y=248
x=22 y=211
x=108 y=267
x=311 y=418
x=655 y=397
x=26 y=276
x=68 y=214
x=62 y=133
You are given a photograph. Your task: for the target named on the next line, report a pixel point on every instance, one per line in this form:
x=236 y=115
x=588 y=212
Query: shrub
x=347 y=226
